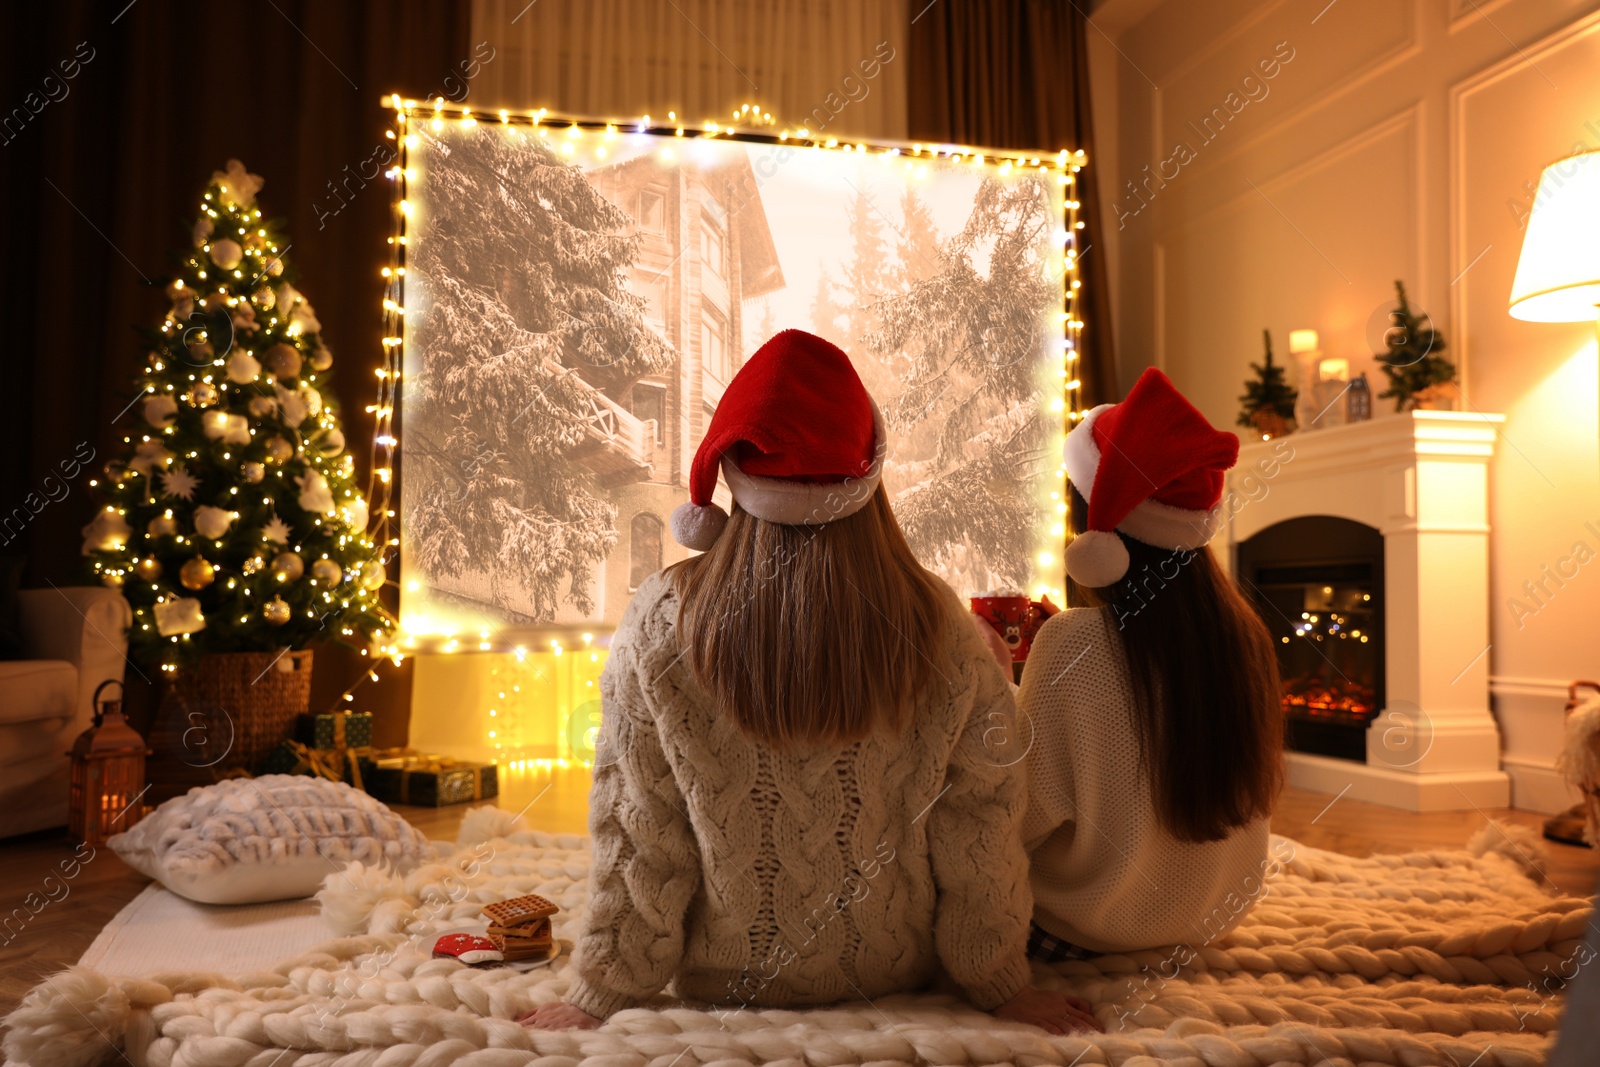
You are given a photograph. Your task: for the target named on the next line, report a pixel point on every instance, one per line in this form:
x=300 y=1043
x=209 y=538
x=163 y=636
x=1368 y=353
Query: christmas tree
x=520 y=352
x=232 y=522
x=1268 y=392
x=1410 y=359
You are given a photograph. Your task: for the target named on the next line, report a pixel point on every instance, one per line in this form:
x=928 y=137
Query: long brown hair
x=1205 y=682
x=811 y=634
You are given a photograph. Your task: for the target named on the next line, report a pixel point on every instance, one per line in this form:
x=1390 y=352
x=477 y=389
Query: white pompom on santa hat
x=1150 y=467
x=796 y=436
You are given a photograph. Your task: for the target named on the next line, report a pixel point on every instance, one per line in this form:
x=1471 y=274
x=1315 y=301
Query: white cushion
x=249 y=840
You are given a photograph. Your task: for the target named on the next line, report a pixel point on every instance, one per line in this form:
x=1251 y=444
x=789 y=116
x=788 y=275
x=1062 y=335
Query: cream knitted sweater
x=748 y=876
x=1106 y=875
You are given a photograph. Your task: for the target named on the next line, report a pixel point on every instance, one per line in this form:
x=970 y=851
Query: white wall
x=1392 y=141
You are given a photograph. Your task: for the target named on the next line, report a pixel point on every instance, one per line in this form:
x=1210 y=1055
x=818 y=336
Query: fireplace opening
x=1317 y=583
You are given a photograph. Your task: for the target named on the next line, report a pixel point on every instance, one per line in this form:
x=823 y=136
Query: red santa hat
x=795 y=435
x=1150 y=467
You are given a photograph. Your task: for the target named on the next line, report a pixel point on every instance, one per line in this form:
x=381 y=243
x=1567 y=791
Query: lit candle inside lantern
x=1333 y=370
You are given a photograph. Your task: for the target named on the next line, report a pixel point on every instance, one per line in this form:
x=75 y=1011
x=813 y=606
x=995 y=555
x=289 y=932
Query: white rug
x=159 y=930
x=1428 y=958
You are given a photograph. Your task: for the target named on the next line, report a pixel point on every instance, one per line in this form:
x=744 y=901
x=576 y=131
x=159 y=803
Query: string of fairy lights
x=576 y=138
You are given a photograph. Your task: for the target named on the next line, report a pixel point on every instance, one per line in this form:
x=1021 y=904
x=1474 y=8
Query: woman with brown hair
x=794 y=803
x=1153 y=715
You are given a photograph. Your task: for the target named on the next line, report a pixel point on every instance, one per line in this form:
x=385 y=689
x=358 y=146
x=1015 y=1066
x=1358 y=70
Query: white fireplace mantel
x=1420 y=479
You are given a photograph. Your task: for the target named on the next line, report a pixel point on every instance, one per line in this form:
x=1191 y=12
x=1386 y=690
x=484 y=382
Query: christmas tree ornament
x=149 y=456
x=212 y=522
x=226 y=253
x=253 y=564
x=278 y=450
x=200 y=351
x=179 y=615
x=315 y=495
x=276 y=611
x=252 y=472
x=222 y=426
x=326 y=572
x=288 y=566
x=372 y=575
x=331 y=442
x=203 y=394
x=178 y=482
x=203 y=228
x=321 y=359
x=262 y=406
x=244 y=319
x=275 y=266
x=292 y=405
x=163 y=525
x=1268 y=398
x=160 y=410
x=236 y=185
x=355 y=512
x=276 y=531
x=264 y=298
x=108 y=531
x=282 y=360
x=197 y=573
x=148 y=568
x=243 y=368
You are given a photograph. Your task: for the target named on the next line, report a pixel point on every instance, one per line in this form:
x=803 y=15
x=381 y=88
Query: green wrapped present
x=429 y=781
x=335 y=729
x=336 y=765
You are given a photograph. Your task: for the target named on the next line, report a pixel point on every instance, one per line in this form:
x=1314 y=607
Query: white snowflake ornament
x=178 y=482
x=276 y=531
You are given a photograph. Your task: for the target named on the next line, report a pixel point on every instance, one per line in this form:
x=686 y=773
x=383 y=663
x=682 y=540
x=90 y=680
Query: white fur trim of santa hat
x=1152 y=522
x=797 y=503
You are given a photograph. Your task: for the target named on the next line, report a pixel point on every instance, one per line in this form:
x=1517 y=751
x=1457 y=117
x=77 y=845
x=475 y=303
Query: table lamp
x=1558 y=276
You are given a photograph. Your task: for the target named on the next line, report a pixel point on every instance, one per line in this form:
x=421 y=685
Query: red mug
x=1015 y=618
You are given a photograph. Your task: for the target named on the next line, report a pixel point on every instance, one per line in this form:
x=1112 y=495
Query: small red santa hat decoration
x=1150 y=467
x=795 y=435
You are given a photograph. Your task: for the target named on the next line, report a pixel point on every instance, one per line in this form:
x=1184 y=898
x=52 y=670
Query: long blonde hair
x=812 y=634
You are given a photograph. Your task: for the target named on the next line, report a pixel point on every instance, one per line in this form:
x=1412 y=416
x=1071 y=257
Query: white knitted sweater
x=748 y=876
x=1106 y=875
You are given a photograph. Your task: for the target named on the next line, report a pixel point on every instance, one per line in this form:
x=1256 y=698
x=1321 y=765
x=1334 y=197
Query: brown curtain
x=1015 y=74
x=100 y=171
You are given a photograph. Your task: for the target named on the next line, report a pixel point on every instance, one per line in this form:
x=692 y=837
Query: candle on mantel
x=1302 y=341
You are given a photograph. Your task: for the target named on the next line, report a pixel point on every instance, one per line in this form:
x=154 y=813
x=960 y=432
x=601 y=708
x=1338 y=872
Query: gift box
x=428 y=781
x=336 y=765
x=335 y=729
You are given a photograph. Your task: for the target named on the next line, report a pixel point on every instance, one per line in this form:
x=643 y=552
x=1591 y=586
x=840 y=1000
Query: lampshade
x=1558 y=276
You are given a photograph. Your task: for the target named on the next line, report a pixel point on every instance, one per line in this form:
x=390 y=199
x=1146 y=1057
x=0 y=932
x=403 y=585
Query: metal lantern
x=107 y=774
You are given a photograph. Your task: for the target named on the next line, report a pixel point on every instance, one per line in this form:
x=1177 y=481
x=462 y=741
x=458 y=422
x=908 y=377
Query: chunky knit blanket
x=1426 y=958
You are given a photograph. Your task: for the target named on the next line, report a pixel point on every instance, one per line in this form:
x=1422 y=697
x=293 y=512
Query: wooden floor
x=555 y=801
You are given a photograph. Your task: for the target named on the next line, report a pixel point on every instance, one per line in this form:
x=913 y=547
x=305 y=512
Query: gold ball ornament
x=288 y=566
x=321 y=359
x=197 y=573
x=252 y=471
x=275 y=265
x=203 y=395
x=262 y=406
x=201 y=351
x=276 y=611
x=372 y=575
x=264 y=298
x=282 y=360
x=278 y=450
x=326 y=572
x=148 y=568
x=161 y=526
x=226 y=253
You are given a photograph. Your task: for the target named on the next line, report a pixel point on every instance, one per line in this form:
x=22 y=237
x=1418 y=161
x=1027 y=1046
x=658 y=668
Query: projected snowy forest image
x=578 y=301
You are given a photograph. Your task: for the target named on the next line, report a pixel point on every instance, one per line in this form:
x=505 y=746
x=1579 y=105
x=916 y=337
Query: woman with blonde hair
x=794 y=800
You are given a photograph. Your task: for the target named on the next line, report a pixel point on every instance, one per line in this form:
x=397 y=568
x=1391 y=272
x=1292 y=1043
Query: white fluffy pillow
x=247 y=840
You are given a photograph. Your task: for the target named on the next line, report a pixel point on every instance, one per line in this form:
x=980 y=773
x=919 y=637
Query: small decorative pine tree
x=232 y=523
x=1268 y=392
x=1411 y=359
